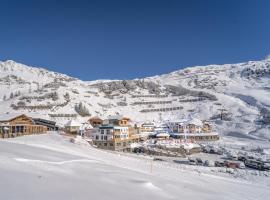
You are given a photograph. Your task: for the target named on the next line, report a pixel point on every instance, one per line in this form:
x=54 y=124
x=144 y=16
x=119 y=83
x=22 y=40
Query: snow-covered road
x=50 y=167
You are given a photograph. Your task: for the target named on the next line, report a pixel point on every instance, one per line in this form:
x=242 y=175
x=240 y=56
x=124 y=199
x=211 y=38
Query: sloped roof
x=162 y=135
x=95 y=118
x=118 y=117
x=86 y=126
x=195 y=121
x=9 y=116
x=72 y=123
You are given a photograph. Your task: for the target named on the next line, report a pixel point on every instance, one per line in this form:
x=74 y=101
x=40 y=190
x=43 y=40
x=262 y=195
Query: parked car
x=209 y=163
x=220 y=151
x=257 y=164
x=158 y=159
x=232 y=156
x=199 y=161
x=138 y=150
x=219 y=164
x=242 y=158
x=242 y=165
x=234 y=164
x=192 y=161
x=206 y=149
x=213 y=151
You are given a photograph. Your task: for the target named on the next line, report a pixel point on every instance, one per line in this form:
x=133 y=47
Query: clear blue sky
x=127 y=39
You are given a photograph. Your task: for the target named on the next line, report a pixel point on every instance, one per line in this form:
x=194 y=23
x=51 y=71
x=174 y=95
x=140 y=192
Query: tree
x=67 y=97
x=54 y=96
x=18 y=93
x=81 y=110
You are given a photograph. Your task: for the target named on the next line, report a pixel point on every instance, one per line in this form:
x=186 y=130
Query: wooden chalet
x=95 y=121
x=12 y=125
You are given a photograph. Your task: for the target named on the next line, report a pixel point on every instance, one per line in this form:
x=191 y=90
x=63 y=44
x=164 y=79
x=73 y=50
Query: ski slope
x=50 y=167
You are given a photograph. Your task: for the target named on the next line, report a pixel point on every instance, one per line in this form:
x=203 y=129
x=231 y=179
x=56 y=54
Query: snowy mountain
x=235 y=97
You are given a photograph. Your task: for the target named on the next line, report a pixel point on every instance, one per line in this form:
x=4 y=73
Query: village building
x=72 y=127
x=12 y=125
x=95 y=121
x=116 y=134
x=117 y=120
x=51 y=125
x=115 y=137
x=147 y=129
x=161 y=131
x=193 y=129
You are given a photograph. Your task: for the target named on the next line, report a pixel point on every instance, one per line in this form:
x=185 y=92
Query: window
x=105 y=137
x=111 y=144
x=105 y=144
x=108 y=131
x=97 y=137
x=102 y=131
x=118 y=144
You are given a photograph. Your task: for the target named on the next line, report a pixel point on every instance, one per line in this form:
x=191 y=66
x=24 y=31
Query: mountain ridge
x=232 y=96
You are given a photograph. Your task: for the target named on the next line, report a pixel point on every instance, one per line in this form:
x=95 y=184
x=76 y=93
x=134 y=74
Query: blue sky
x=128 y=39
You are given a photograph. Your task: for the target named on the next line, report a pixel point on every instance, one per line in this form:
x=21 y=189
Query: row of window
x=105 y=131
x=108 y=131
x=102 y=137
x=121 y=136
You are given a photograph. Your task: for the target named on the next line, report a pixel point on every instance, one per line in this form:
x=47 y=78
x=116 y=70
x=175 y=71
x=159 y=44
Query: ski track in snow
x=59 y=164
x=55 y=162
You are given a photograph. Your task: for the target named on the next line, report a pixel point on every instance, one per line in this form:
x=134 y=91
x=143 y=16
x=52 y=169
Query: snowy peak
x=22 y=71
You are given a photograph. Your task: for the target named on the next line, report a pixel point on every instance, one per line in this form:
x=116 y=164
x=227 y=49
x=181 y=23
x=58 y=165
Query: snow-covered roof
x=86 y=126
x=95 y=117
x=8 y=116
x=72 y=123
x=195 y=121
x=118 y=117
x=148 y=124
x=162 y=135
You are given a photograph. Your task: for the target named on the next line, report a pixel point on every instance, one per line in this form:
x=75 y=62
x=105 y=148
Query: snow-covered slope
x=235 y=97
x=50 y=167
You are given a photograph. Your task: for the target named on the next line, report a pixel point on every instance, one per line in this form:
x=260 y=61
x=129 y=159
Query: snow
x=196 y=122
x=242 y=96
x=50 y=167
x=162 y=135
x=72 y=123
x=8 y=116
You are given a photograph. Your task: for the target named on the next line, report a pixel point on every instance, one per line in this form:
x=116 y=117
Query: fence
x=162 y=109
x=150 y=96
x=151 y=102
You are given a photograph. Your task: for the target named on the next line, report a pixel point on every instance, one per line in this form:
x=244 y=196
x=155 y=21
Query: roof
x=107 y=126
x=72 y=123
x=162 y=135
x=185 y=122
x=118 y=117
x=9 y=116
x=148 y=124
x=87 y=126
x=95 y=118
x=44 y=121
x=195 y=121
